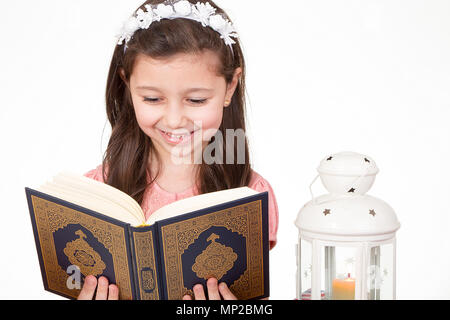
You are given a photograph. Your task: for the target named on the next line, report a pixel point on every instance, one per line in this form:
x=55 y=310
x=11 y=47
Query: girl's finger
x=88 y=290
x=225 y=292
x=199 y=294
x=213 y=290
x=187 y=297
x=113 y=292
x=102 y=289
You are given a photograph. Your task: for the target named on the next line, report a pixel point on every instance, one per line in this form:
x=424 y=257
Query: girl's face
x=179 y=101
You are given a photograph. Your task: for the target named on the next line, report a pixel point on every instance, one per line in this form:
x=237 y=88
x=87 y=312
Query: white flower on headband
x=200 y=12
x=224 y=27
x=183 y=7
x=203 y=11
x=128 y=29
x=164 y=11
x=145 y=18
x=217 y=22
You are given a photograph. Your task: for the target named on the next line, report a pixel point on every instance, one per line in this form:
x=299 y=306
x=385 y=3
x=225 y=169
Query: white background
x=323 y=76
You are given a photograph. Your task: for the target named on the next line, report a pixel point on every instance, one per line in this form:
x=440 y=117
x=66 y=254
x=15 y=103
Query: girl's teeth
x=175 y=137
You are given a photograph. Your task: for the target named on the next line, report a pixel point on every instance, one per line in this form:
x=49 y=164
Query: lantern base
x=307 y=295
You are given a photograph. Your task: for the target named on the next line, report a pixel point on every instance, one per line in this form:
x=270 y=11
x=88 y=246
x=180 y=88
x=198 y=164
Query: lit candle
x=344 y=289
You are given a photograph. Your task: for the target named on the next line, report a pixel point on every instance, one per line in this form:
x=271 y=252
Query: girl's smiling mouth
x=176 y=138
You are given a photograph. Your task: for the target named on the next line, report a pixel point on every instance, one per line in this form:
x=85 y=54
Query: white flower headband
x=200 y=12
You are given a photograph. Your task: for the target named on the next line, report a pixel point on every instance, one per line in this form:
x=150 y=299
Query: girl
x=176 y=85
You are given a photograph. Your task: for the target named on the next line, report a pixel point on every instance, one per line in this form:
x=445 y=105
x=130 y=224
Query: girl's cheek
x=146 y=116
x=210 y=122
x=210 y=118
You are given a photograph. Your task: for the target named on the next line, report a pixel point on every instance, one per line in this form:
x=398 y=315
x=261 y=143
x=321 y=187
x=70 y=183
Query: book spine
x=134 y=271
x=266 y=245
x=28 y=193
x=159 y=262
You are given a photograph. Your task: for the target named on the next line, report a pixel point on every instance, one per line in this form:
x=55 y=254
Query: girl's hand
x=105 y=291
x=215 y=291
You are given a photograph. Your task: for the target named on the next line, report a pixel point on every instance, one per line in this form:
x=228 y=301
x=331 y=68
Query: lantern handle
x=354 y=183
x=313 y=199
x=358 y=179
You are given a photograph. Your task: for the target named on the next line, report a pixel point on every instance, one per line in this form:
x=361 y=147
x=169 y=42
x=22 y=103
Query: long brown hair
x=126 y=159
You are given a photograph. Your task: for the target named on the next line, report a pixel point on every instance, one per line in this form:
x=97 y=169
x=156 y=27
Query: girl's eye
x=194 y=101
x=151 y=99
x=198 y=101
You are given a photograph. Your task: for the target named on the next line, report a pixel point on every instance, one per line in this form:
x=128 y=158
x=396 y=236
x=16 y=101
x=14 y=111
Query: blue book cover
x=163 y=261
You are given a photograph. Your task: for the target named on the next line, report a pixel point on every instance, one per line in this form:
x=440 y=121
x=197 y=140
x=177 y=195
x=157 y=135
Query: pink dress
x=155 y=197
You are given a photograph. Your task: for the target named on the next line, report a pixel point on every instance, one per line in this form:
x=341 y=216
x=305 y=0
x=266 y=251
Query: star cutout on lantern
x=328 y=159
x=351 y=190
x=326 y=212
x=372 y=212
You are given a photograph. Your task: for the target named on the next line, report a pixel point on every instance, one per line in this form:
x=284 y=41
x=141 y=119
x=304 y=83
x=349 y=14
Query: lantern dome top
x=347 y=211
x=348 y=164
x=351 y=215
x=347 y=172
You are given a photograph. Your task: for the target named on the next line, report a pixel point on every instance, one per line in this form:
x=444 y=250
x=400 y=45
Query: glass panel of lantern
x=305 y=267
x=339 y=272
x=380 y=277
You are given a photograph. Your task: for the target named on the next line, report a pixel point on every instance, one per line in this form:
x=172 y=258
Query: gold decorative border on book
x=177 y=237
x=145 y=258
x=50 y=217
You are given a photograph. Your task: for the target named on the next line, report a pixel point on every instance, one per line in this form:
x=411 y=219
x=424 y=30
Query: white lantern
x=347 y=245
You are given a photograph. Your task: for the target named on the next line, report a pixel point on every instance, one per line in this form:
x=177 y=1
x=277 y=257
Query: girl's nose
x=174 y=115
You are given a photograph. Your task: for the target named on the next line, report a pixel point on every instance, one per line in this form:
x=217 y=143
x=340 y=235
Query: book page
x=91 y=202
x=199 y=202
x=101 y=189
x=95 y=196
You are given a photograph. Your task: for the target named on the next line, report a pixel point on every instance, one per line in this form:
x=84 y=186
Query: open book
x=84 y=227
